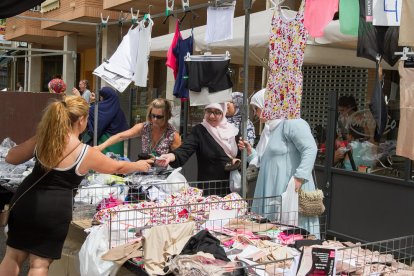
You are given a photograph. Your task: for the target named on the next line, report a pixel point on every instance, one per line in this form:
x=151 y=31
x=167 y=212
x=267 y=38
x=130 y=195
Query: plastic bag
x=235 y=181
x=290 y=205
x=95 y=245
x=175 y=182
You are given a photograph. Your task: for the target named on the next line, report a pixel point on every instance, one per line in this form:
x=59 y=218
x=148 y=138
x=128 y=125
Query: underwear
x=211 y=74
x=373 y=40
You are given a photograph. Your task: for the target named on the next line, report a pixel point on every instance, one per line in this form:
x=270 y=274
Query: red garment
x=318 y=14
x=171 y=58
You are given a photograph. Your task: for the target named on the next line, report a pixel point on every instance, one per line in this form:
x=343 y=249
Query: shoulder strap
x=37 y=181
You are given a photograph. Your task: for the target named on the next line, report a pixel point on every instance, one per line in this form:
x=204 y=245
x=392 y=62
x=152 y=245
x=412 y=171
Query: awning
x=49 y=5
x=332 y=49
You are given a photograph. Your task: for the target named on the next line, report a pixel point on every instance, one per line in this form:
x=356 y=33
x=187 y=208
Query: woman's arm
x=127 y=134
x=176 y=142
x=299 y=133
x=180 y=156
x=21 y=153
x=97 y=161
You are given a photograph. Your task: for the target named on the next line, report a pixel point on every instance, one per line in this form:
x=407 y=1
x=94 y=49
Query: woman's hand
x=243 y=144
x=298 y=183
x=144 y=165
x=165 y=159
x=339 y=155
x=75 y=92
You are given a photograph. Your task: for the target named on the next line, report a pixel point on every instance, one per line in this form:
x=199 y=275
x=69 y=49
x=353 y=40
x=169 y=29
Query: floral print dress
x=286 y=53
x=162 y=146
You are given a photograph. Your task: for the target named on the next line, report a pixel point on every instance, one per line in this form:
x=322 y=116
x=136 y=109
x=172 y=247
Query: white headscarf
x=225 y=132
x=258 y=100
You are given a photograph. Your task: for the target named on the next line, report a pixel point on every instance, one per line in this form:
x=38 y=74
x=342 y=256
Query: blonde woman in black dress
x=39 y=222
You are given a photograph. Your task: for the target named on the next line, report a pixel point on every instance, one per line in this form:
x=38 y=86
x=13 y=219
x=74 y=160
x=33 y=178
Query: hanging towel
x=349 y=17
x=318 y=14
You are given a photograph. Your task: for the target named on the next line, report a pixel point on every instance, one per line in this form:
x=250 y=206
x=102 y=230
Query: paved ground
x=25 y=268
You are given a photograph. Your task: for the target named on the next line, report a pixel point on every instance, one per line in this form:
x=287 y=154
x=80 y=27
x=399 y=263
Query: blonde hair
x=55 y=126
x=160 y=103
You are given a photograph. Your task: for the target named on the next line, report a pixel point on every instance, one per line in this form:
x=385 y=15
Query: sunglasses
x=159 y=117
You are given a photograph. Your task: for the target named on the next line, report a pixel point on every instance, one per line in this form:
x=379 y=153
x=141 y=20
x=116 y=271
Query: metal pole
x=245 y=109
x=26 y=75
x=14 y=74
x=34 y=50
x=74 y=58
x=97 y=83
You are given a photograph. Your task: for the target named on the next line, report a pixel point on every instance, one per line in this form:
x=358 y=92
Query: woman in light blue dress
x=286 y=149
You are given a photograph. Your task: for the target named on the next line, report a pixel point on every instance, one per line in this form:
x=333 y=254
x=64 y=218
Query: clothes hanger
x=208 y=57
x=147 y=17
x=223 y=3
x=169 y=10
x=186 y=9
x=407 y=57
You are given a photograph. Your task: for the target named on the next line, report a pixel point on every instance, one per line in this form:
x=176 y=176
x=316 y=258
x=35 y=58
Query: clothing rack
x=247 y=6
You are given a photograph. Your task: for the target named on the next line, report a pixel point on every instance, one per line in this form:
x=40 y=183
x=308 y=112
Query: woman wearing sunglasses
x=214 y=142
x=157 y=135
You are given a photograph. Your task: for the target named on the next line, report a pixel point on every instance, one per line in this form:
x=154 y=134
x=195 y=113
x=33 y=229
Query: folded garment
x=121 y=254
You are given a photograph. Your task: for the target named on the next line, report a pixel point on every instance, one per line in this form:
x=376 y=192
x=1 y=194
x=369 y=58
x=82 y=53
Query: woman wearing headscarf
x=214 y=142
x=234 y=116
x=111 y=119
x=286 y=149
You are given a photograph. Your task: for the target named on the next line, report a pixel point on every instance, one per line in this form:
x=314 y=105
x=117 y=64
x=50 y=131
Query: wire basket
x=392 y=256
x=88 y=200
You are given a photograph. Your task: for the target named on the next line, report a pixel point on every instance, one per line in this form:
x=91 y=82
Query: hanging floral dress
x=286 y=53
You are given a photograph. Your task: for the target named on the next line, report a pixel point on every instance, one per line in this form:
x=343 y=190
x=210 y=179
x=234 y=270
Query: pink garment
x=171 y=58
x=318 y=13
x=225 y=132
x=109 y=203
x=289 y=239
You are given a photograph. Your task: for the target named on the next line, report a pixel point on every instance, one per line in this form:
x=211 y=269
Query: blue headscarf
x=237 y=99
x=111 y=119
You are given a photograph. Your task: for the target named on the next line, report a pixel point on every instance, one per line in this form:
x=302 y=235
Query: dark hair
x=57 y=76
x=348 y=101
x=357 y=132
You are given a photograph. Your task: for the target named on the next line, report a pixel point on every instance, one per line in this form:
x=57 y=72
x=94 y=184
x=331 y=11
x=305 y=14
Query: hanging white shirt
x=219 y=23
x=123 y=61
x=144 y=45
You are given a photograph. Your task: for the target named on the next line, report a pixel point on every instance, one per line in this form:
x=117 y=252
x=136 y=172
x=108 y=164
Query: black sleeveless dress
x=39 y=222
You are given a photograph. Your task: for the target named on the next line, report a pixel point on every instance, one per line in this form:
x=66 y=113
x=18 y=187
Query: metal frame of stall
x=45 y=52
x=247 y=5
